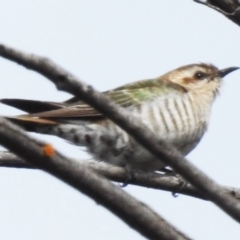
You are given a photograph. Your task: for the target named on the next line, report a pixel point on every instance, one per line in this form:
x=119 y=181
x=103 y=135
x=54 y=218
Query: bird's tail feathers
x=31 y=106
x=32 y=124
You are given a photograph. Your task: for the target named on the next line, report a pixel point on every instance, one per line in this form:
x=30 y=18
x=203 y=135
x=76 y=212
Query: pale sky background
x=108 y=43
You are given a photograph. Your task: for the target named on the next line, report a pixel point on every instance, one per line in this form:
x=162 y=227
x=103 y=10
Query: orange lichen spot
x=48 y=150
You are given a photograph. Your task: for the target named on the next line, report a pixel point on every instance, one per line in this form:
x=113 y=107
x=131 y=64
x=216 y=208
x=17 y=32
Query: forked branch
x=165 y=152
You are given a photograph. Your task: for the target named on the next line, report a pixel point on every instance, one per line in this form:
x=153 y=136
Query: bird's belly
x=177 y=123
x=184 y=140
x=174 y=122
x=171 y=121
x=126 y=151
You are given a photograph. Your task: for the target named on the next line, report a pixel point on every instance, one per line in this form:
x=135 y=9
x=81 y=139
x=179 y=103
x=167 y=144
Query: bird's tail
x=48 y=118
x=33 y=124
x=32 y=106
x=29 y=123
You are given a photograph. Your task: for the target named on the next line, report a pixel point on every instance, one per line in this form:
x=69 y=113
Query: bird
x=175 y=106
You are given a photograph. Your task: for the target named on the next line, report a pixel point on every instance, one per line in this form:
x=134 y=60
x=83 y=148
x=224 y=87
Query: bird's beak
x=222 y=73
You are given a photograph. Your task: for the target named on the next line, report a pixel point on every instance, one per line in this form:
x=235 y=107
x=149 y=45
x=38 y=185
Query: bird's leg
x=129 y=176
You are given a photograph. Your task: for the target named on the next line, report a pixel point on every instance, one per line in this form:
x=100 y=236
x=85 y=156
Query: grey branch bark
x=229 y=8
x=118 y=174
x=166 y=153
x=136 y=214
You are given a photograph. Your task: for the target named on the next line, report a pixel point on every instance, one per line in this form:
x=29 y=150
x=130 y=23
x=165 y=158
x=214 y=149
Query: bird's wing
x=128 y=95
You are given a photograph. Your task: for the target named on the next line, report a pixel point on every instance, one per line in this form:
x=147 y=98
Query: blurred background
x=109 y=43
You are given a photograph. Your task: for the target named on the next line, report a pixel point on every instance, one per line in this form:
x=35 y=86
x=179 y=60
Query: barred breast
x=180 y=121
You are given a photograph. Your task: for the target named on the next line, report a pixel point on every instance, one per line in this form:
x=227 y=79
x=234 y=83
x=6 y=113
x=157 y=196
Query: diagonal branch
x=136 y=214
x=118 y=174
x=229 y=8
x=165 y=152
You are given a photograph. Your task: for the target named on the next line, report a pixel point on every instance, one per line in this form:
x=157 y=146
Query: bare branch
x=134 y=213
x=118 y=174
x=229 y=8
x=166 y=153
x=10 y=160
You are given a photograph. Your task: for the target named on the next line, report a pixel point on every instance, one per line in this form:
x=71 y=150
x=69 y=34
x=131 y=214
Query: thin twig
x=165 y=152
x=229 y=8
x=134 y=213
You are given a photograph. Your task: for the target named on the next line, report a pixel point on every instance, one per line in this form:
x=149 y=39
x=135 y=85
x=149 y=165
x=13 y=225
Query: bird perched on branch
x=175 y=106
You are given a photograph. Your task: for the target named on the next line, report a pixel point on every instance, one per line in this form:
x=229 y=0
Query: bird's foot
x=129 y=176
x=182 y=184
x=172 y=173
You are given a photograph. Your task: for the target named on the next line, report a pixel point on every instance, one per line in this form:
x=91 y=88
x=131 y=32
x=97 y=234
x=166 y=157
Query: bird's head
x=199 y=78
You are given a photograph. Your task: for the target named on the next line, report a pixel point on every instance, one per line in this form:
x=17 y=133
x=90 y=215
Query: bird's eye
x=200 y=75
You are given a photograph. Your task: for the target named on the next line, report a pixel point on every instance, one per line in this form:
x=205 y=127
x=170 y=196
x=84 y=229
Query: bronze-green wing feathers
x=128 y=95
x=136 y=93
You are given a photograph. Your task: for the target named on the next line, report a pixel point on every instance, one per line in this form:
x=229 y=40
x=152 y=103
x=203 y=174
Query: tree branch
x=165 y=152
x=229 y=8
x=136 y=214
x=118 y=174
